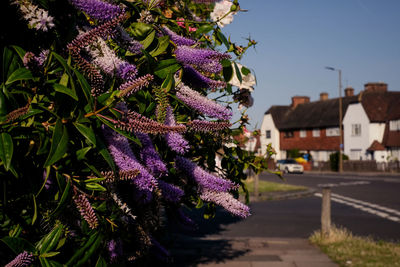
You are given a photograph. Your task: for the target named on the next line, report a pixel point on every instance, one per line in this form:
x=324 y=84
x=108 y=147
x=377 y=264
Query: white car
x=290 y=166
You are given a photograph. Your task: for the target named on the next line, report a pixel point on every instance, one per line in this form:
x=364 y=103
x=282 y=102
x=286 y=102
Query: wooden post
x=256 y=186
x=326 y=211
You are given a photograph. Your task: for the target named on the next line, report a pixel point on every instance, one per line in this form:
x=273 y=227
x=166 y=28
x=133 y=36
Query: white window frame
x=394 y=125
x=356 y=129
x=303 y=133
x=333 y=131
x=316 y=132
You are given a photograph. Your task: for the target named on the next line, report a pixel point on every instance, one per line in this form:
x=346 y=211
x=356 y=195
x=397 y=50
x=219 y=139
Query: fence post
x=326 y=211
x=256 y=186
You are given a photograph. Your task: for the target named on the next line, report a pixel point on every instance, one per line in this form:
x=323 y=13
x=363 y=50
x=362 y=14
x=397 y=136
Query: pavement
x=248 y=252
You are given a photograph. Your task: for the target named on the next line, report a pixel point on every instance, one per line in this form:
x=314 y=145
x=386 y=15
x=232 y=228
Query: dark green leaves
x=18 y=75
x=59 y=144
x=65 y=90
x=6 y=149
x=166 y=67
x=18 y=244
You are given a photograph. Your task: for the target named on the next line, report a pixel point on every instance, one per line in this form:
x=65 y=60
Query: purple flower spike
x=98 y=9
x=198 y=80
x=201 y=103
x=177 y=39
x=119 y=148
x=227 y=201
x=23 y=259
x=170 y=192
x=86 y=210
x=175 y=141
x=106 y=59
x=150 y=156
x=203 y=178
x=204 y=59
x=114 y=249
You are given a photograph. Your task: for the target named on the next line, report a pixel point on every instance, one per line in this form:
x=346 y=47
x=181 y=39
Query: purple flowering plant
x=109 y=130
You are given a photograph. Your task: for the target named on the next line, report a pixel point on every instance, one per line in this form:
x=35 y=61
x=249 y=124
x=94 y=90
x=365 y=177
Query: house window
x=394 y=125
x=288 y=134
x=356 y=129
x=355 y=154
x=303 y=133
x=315 y=133
x=268 y=134
x=333 y=131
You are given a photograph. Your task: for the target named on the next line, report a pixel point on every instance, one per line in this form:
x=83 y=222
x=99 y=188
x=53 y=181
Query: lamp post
x=340 y=118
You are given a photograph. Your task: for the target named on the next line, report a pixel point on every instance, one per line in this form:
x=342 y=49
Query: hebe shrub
x=106 y=128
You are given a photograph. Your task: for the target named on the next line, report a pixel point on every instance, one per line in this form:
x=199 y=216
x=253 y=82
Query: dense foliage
x=106 y=128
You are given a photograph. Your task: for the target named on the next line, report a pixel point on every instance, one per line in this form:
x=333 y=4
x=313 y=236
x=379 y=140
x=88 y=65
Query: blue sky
x=298 y=38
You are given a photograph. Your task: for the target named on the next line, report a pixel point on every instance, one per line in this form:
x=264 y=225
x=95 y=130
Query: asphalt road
x=366 y=205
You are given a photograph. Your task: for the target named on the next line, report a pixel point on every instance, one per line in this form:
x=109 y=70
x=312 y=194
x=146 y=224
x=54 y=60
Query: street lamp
x=340 y=117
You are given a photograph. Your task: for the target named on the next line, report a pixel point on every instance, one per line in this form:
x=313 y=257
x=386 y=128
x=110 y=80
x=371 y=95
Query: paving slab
x=249 y=252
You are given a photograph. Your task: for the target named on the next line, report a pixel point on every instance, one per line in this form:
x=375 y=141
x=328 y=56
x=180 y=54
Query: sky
x=298 y=38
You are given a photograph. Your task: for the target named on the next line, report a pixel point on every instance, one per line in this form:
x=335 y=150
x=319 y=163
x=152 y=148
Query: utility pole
x=340 y=118
x=340 y=123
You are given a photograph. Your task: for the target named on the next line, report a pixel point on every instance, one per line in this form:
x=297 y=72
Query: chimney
x=380 y=87
x=349 y=91
x=323 y=96
x=297 y=100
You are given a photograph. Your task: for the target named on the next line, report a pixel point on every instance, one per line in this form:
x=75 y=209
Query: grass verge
x=265 y=187
x=348 y=250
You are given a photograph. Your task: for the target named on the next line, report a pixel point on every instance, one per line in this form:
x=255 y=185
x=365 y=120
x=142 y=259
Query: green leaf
x=163 y=43
x=85 y=86
x=18 y=244
x=140 y=30
x=63 y=199
x=21 y=52
x=245 y=71
x=87 y=132
x=59 y=144
x=95 y=187
x=238 y=74
x=149 y=39
x=90 y=252
x=223 y=39
x=49 y=241
x=204 y=29
x=6 y=149
x=61 y=60
x=101 y=262
x=168 y=82
x=49 y=254
x=44 y=262
x=64 y=79
x=18 y=75
x=81 y=153
x=35 y=210
x=65 y=90
x=227 y=71
x=166 y=67
x=80 y=251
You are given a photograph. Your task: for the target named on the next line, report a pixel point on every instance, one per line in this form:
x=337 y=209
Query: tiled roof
x=391 y=138
x=317 y=114
x=381 y=106
x=376 y=146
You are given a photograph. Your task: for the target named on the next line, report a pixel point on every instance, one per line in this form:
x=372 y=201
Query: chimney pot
x=376 y=87
x=297 y=100
x=349 y=91
x=323 y=96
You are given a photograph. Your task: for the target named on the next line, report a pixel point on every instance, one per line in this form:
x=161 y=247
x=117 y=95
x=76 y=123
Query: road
x=366 y=205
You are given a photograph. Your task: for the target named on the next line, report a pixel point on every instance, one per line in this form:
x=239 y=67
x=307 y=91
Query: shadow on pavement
x=190 y=247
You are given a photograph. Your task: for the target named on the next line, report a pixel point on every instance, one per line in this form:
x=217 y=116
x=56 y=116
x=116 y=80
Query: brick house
x=307 y=126
x=372 y=125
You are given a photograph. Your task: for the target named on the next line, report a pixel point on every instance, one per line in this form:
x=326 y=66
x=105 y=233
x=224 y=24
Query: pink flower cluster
x=86 y=210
